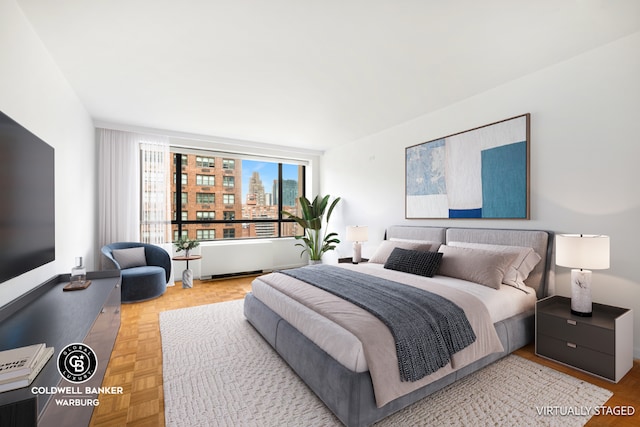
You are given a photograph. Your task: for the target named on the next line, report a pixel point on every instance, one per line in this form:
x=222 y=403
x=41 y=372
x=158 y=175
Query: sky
x=268 y=173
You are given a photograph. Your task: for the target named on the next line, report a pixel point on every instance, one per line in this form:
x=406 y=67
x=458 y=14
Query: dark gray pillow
x=422 y=263
x=381 y=254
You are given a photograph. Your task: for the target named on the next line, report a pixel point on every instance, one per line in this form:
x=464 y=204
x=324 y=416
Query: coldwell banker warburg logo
x=77 y=363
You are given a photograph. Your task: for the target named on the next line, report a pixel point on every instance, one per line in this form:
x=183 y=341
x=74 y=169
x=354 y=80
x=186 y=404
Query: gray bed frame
x=349 y=395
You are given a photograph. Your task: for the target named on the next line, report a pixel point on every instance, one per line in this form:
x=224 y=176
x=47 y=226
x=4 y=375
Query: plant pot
x=315 y=261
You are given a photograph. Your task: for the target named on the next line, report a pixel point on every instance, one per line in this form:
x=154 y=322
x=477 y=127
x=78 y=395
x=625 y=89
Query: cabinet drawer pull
x=572 y=345
x=571 y=322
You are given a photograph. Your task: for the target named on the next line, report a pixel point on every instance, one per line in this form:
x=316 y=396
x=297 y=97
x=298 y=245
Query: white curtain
x=118 y=187
x=123 y=176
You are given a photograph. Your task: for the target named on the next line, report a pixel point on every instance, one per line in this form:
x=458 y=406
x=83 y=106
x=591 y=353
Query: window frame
x=201 y=178
x=229 y=163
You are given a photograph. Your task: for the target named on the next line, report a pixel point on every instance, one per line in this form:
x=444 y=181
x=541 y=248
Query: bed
x=334 y=362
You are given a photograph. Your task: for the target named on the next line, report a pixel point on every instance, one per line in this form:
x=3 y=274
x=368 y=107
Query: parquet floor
x=136 y=361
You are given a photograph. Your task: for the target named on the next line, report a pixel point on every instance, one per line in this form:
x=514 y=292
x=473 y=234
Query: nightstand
x=350 y=260
x=601 y=345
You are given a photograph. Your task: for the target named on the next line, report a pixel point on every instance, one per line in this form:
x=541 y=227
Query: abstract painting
x=479 y=173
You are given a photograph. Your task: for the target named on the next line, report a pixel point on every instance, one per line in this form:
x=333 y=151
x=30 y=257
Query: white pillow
x=387 y=246
x=524 y=262
x=130 y=257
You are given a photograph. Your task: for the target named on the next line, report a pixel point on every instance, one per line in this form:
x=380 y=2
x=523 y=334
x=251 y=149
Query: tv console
x=49 y=315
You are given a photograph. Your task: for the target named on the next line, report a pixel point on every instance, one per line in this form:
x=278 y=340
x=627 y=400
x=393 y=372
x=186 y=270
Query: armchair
x=145 y=269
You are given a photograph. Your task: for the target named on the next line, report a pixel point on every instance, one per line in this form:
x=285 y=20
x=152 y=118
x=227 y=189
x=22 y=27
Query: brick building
x=211 y=190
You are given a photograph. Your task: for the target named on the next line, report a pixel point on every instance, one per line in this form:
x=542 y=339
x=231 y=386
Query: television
x=27 y=200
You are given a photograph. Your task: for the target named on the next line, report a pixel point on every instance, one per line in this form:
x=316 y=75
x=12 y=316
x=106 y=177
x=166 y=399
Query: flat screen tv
x=27 y=200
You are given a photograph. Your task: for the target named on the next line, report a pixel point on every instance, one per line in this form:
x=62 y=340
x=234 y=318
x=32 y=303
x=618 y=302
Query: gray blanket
x=426 y=327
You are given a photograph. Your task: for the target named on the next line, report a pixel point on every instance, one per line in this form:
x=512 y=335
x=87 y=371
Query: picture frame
x=480 y=173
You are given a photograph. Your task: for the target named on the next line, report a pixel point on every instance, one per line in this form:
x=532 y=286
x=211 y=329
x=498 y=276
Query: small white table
x=187 y=274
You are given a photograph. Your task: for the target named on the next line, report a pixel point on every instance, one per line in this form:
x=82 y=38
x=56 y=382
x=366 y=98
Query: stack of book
x=19 y=366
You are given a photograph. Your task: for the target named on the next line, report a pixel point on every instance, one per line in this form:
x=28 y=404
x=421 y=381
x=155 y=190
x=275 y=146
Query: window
x=205 y=198
x=205 y=234
x=207 y=180
x=183 y=178
x=184 y=161
x=205 y=162
x=250 y=196
x=228 y=181
x=175 y=234
x=184 y=197
x=205 y=215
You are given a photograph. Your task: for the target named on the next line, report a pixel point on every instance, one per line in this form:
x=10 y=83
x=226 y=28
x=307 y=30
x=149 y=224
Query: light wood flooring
x=136 y=361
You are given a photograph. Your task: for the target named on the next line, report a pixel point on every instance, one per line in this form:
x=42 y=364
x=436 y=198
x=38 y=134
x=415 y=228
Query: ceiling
x=309 y=74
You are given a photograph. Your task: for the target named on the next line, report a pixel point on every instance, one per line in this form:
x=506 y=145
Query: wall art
x=478 y=173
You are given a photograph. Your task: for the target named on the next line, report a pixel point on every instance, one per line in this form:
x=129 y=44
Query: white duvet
x=344 y=347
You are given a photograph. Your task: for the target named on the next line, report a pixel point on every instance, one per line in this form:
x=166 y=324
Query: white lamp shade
x=586 y=251
x=357 y=233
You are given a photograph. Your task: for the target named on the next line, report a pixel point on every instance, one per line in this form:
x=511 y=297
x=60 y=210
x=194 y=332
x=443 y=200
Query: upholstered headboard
x=540 y=279
x=410 y=232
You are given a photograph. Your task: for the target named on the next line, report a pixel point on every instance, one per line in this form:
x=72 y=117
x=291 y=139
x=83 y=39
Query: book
x=19 y=361
x=27 y=379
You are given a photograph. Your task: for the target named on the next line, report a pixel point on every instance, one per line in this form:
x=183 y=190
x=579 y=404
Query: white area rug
x=218 y=371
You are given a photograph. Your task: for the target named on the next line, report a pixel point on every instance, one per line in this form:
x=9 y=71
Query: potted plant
x=315 y=242
x=186 y=244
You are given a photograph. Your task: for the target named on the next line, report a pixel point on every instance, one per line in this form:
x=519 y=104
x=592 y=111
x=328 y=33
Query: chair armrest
x=158 y=257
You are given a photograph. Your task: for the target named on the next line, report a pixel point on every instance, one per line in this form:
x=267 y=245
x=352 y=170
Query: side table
x=187 y=274
x=601 y=344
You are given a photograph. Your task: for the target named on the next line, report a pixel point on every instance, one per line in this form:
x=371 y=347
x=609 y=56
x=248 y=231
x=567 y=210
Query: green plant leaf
x=333 y=205
x=311 y=221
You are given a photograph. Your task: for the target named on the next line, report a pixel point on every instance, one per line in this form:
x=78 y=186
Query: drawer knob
x=571 y=345
x=572 y=322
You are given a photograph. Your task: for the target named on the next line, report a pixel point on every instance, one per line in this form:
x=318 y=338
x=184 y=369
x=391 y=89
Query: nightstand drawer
x=573 y=354
x=582 y=334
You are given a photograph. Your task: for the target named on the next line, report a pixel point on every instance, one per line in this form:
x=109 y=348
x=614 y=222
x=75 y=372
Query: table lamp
x=581 y=252
x=357 y=234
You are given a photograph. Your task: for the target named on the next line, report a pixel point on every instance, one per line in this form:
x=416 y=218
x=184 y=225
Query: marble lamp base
x=581 y=292
x=357 y=252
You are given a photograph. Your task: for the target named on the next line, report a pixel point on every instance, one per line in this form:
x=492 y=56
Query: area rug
x=218 y=371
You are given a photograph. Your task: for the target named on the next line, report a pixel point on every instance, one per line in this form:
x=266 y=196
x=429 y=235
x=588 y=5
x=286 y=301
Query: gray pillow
x=517 y=272
x=131 y=257
x=475 y=265
x=422 y=263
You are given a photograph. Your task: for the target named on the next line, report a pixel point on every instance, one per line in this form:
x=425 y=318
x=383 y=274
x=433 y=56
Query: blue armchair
x=145 y=269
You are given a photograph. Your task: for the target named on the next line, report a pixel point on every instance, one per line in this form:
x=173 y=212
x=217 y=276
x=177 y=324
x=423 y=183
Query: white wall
x=585 y=148
x=34 y=93
x=230 y=256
